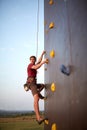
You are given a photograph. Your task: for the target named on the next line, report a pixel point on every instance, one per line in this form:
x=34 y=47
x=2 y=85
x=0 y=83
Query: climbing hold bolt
x=52 y=54
x=51 y=25
x=46 y=31
x=45 y=22
x=54 y=127
x=45 y=69
x=53 y=87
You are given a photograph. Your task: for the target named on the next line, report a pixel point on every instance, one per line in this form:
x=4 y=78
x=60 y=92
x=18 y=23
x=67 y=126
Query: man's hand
x=44 y=52
x=45 y=61
x=41 y=57
x=37 y=66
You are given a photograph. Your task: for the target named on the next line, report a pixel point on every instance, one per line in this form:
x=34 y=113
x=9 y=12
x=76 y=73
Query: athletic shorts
x=36 y=88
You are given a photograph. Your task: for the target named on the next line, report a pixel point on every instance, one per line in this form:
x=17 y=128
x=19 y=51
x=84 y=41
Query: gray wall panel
x=67 y=106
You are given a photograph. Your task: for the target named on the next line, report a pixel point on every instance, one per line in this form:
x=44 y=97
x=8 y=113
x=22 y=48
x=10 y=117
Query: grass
x=20 y=123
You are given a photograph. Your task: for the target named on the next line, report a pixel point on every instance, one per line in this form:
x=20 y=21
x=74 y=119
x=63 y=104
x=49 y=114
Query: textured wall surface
x=67 y=105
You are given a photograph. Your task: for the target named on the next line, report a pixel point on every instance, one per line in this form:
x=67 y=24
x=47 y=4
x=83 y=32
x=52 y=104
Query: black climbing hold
x=65 y=70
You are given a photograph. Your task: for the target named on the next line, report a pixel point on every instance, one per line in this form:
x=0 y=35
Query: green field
x=20 y=123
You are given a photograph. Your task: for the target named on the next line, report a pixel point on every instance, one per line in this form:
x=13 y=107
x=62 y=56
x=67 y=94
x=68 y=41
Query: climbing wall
x=65 y=42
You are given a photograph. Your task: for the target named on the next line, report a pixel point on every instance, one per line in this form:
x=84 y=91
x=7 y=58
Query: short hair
x=33 y=57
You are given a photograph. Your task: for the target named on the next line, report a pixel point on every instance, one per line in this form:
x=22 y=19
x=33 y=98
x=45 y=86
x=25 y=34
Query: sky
x=18 y=41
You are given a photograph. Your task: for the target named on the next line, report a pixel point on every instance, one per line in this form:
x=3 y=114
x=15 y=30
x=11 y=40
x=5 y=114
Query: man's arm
x=41 y=57
x=37 y=66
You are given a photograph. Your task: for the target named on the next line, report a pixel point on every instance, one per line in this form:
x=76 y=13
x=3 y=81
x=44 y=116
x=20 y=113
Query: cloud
x=2 y=49
x=11 y=49
x=7 y=49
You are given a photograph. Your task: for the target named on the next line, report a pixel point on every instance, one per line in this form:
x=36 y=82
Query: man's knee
x=43 y=85
x=36 y=98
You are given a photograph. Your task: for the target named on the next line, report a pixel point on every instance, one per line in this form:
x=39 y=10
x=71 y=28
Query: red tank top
x=31 y=72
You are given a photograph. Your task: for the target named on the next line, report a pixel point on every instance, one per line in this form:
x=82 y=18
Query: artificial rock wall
x=65 y=42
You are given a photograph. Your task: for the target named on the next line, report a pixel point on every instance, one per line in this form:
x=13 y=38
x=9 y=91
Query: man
x=32 y=84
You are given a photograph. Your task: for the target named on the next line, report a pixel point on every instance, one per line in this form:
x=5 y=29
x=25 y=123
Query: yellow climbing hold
x=53 y=87
x=46 y=122
x=54 y=127
x=52 y=54
x=51 y=25
x=51 y=2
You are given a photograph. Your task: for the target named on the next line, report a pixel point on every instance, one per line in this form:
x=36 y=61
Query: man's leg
x=40 y=87
x=35 y=94
x=36 y=106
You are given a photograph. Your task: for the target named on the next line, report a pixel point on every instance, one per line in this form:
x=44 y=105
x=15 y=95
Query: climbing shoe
x=40 y=121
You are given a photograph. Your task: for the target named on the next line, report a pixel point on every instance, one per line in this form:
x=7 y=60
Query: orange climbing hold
x=46 y=121
x=47 y=61
x=53 y=87
x=52 y=53
x=51 y=25
x=51 y=2
x=54 y=127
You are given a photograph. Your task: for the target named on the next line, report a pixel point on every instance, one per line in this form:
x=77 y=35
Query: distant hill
x=8 y=113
